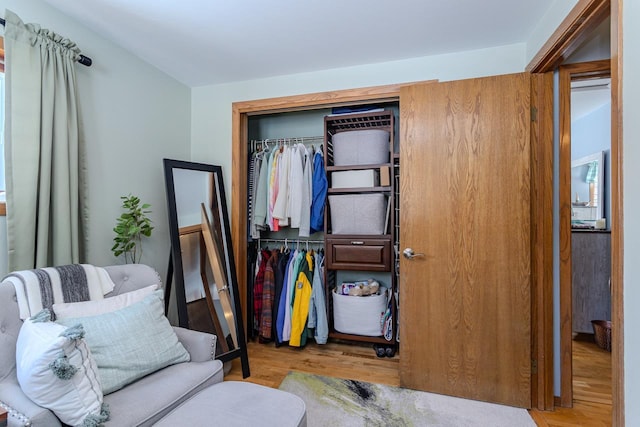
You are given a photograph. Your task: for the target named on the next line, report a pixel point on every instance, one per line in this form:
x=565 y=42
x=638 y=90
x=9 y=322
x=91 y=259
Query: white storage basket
x=359 y=315
x=355 y=179
x=358 y=213
x=361 y=147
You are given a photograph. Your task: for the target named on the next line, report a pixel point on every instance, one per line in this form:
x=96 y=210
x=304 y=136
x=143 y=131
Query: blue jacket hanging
x=319 y=187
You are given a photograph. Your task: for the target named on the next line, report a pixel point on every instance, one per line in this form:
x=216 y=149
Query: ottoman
x=241 y=404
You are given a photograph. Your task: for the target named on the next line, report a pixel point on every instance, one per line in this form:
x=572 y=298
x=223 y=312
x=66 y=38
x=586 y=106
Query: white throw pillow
x=68 y=310
x=55 y=369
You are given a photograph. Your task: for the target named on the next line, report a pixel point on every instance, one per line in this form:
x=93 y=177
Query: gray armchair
x=141 y=403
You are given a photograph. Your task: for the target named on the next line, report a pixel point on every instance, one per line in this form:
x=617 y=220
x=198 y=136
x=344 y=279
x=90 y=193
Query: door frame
x=569 y=73
x=575 y=29
x=241 y=111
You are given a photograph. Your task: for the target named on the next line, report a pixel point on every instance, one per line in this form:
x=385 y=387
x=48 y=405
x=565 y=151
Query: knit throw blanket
x=41 y=288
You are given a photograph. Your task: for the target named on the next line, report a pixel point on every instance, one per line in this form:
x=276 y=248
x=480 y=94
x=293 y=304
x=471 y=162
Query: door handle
x=410 y=254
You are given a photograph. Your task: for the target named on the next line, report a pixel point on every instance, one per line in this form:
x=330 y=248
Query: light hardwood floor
x=269 y=366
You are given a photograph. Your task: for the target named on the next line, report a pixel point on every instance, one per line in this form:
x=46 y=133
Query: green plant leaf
x=132 y=224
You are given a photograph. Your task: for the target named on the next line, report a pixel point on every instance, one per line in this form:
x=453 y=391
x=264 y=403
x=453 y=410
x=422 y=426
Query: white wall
x=631 y=178
x=133 y=115
x=547 y=25
x=211 y=105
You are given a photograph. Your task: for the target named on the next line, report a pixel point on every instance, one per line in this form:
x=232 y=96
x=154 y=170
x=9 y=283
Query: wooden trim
x=3 y=209
x=322 y=99
x=577 y=26
x=568 y=73
x=542 y=239
x=617 y=219
x=566 y=308
x=239 y=224
x=190 y=229
x=572 y=32
x=239 y=139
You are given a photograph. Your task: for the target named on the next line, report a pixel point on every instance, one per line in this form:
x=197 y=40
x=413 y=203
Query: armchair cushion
x=146 y=401
x=132 y=342
x=55 y=370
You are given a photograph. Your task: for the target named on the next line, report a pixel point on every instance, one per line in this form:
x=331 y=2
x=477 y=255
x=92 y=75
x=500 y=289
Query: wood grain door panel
x=465 y=306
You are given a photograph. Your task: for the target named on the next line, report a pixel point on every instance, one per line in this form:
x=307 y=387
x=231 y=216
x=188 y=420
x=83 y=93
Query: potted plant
x=130 y=227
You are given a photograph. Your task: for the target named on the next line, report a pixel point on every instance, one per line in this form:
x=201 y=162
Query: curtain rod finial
x=85 y=60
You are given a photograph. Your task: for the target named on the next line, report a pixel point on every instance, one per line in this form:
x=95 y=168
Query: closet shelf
x=359 y=190
x=351 y=337
x=361 y=121
x=356 y=167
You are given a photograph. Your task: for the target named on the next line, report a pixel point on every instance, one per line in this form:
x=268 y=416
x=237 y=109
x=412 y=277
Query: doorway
x=585 y=238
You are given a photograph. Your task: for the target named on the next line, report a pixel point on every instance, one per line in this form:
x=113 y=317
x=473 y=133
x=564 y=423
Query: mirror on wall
x=587 y=188
x=205 y=294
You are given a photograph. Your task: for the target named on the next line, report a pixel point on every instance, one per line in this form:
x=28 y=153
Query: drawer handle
x=357 y=242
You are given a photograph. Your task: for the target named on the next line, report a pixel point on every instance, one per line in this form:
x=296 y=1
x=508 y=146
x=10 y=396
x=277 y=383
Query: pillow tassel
x=97 y=420
x=75 y=332
x=43 y=315
x=62 y=368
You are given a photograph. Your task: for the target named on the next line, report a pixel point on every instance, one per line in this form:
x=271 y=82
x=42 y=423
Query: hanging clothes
x=296 y=179
x=268 y=294
x=272 y=189
x=259 y=210
x=283 y=262
x=318 y=305
x=291 y=286
x=282 y=301
x=307 y=194
x=257 y=289
x=300 y=303
x=319 y=189
x=281 y=205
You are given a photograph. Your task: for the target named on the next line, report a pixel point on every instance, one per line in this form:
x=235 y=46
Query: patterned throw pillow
x=56 y=370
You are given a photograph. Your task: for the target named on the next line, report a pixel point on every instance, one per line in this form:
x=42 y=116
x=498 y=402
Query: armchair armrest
x=200 y=345
x=21 y=410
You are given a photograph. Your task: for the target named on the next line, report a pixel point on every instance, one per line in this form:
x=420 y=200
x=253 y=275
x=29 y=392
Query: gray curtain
x=41 y=147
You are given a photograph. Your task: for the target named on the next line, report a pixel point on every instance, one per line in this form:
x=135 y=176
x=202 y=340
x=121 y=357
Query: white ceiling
x=201 y=42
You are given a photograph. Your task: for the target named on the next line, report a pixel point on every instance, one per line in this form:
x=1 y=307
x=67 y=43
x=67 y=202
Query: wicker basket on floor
x=602 y=333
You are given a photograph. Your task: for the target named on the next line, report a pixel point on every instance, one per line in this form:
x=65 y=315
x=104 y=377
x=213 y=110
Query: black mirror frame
x=175 y=257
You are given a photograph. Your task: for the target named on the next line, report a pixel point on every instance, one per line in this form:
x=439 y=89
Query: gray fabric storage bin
x=359 y=315
x=358 y=213
x=361 y=147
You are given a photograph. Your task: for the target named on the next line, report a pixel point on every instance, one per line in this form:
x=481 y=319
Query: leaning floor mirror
x=205 y=295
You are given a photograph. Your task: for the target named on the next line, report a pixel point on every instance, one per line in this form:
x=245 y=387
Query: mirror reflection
x=206 y=291
x=590 y=148
x=587 y=188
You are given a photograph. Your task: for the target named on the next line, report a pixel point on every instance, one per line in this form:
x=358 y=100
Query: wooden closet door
x=465 y=315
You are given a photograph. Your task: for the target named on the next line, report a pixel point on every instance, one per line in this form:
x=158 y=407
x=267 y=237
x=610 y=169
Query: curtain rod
x=84 y=60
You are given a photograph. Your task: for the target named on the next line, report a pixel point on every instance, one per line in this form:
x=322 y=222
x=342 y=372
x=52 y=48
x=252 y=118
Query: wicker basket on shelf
x=602 y=333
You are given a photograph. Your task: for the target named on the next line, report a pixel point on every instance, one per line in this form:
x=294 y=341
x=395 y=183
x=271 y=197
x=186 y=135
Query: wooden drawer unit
x=358 y=253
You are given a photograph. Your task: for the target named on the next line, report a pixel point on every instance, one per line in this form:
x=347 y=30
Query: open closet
x=320 y=202
x=459 y=227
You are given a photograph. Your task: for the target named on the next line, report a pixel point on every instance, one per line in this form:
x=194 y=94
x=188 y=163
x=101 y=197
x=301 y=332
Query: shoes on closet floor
x=384 y=350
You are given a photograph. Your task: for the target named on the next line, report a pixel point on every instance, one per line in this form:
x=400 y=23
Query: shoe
x=380 y=350
x=390 y=351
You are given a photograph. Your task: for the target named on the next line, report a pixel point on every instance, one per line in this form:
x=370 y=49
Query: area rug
x=336 y=402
